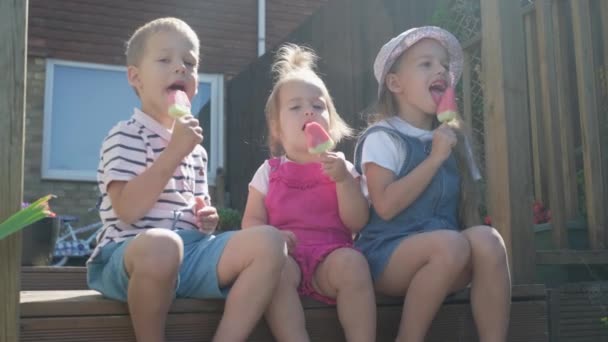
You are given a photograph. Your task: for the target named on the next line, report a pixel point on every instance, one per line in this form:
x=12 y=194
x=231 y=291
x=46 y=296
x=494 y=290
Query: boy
x=157 y=240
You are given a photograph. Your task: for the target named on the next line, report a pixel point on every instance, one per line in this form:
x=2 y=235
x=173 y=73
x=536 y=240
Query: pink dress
x=301 y=198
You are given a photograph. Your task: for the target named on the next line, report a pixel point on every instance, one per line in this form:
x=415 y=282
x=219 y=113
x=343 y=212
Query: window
x=82 y=101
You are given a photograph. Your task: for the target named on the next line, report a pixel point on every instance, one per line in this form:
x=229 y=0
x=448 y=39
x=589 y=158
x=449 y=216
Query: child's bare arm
x=389 y=196
x=255 y=210
x=353 y=207
x=133 y=199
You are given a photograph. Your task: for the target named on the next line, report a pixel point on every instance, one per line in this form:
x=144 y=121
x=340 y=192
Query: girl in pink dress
x=317 y=204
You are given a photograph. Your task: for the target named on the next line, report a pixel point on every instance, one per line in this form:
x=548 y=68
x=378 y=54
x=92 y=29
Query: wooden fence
x=567 y=59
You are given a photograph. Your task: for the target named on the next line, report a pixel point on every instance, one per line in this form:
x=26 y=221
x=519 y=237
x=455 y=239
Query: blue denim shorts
x=197 y=276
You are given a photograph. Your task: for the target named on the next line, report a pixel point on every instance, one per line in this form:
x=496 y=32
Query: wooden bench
x=84 y=315
x=34 y=278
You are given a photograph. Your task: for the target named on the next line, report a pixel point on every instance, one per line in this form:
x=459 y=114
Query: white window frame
x=217 y=145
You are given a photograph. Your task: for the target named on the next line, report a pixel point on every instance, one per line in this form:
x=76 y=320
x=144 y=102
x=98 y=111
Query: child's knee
x=453 y=250
x=269 y=245
x=156 y=253
x=351 y=267
x=487 y=243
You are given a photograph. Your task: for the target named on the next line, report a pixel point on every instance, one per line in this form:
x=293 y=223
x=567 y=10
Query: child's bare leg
x=491 y=285
x=152 y=261
x=285 y=315
x=252 y=262
x=424 y=268
x=345 y=275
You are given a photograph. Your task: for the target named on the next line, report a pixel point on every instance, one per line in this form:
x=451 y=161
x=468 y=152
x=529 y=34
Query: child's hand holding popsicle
x=187 y=133
x=319 y=142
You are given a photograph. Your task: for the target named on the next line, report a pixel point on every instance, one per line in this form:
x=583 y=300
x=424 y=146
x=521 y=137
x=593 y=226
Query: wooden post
x=13 y=35
x=590 y=130
x=551 y=120
x=539 y=160
x=507 y=131
x=565 y=109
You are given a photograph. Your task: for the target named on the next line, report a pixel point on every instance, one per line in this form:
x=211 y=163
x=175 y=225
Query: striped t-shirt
x=128 y=150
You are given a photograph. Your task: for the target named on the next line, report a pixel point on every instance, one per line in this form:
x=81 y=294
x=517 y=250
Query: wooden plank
x=91 y=303
x=539 y=167
x=565 y=109
x=528 y=323
x=603 y=38
x=54 y=270
x=603 y=13
x=13 y=34
x=595 y=177
x=336 y=60
x=551 y=123
x=367 y=41
x=572 y=257
x=53 y=278
x=507 y=128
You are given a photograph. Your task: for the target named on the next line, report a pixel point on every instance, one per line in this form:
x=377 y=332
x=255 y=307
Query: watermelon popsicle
x=317 y=139
x=179 y=104
x=447 y=108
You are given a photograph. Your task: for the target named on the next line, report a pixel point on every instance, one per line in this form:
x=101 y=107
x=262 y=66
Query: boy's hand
x=187 y=133
x=444 y=139
x=207 y=216
x=334 y=166
x=290 y=240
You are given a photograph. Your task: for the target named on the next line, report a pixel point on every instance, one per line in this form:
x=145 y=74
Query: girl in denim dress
x=423 y=240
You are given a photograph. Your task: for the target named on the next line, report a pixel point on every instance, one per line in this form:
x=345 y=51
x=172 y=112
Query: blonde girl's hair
x=294 y=62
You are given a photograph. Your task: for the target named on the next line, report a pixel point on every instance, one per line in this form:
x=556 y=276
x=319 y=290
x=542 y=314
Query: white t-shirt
x=262 y=175
x=382 y=149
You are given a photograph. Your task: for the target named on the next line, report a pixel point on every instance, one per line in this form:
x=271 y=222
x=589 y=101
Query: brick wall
x=95 y=31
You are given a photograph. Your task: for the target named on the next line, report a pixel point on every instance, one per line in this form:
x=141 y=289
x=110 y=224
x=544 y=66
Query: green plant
x=230 y=219
x=30 y=213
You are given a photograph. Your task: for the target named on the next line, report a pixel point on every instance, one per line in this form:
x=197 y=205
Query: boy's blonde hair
x=136 y=45
x=470 y=195
x=295 y=62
